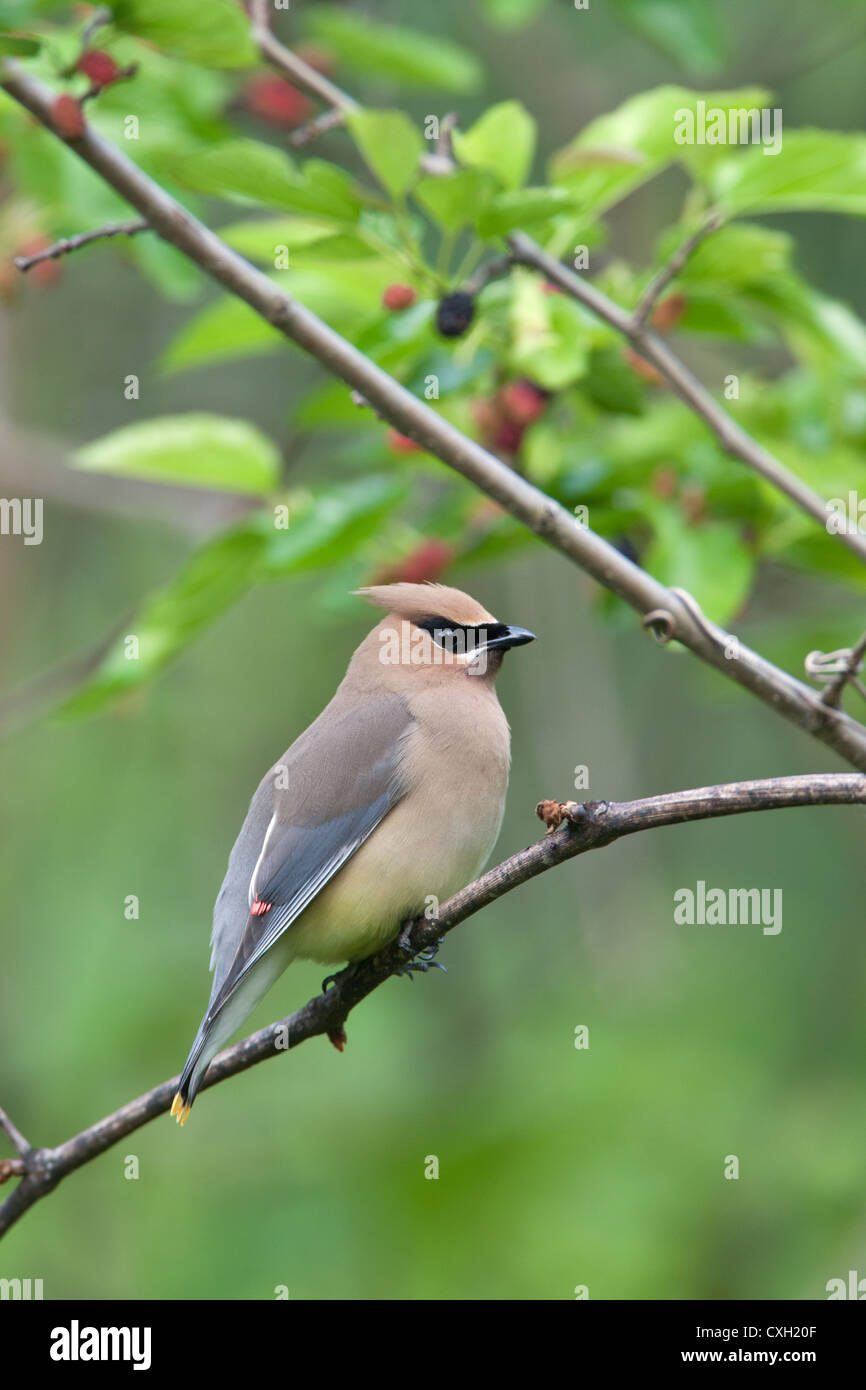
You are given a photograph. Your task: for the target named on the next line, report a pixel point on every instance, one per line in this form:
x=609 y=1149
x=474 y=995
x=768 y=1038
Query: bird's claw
x=421 y=961
x=346 y=973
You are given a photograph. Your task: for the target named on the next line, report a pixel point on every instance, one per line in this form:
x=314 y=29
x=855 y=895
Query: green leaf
x=710 y=560
x=405 y=55
x=502 y=140
x=19 y=46
x=326 y=527
x=814 y=171
x=329 y=190
x=391 y=145
x=260 y=239
x=346 y=293
x=245 y=169
x=620 y=151
x=524 y=208
x=216 y=33
x=819 y=329
x=550 y=340
x=611 y=384
x=455 y=200
x=226 y=329
x=739 y=254
x=197 y=450
x=723 y=315
x=209 y=583
x=323 y=531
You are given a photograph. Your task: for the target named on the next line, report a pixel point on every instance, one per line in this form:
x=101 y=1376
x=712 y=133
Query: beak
x=506 y=637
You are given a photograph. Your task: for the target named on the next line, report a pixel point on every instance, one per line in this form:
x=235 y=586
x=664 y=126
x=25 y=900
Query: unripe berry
x=398 y=297
x=316 y=57
x=99 y=67
x=645 y=370
x=67 y=117
x=401 y=443
x=426 y=562
x=669 y=312
x=44 y=273
x=523 y=401
x=276 y=101
x=508 y=436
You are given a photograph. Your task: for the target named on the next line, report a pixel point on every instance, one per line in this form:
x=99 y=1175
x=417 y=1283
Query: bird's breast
x=434 y=840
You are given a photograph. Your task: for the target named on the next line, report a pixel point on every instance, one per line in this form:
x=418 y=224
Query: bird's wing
x=326 y=796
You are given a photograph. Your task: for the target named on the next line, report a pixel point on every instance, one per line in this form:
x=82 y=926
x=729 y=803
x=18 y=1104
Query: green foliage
x=502 y=141
x=216 y=33
x=405 y=56
x=814 y=171
x=390 y=144
x=336 y=232
x=247 y=170
x=196 y=450
x=241 y=615
x=301 y=533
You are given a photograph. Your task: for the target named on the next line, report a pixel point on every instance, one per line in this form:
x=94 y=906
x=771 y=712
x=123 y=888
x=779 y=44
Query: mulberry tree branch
x=546 y=518
x=73 y=243
x=733 y=438
x=669 y=272
x=573 y=829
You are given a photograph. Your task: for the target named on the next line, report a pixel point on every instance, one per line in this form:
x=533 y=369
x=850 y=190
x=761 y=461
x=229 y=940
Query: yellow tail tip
x=179 y=1109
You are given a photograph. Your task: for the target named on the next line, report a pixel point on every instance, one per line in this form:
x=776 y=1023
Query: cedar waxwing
x=395 y=793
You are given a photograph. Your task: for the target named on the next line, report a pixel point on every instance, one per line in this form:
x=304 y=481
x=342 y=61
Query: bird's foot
x=345 y=974
x=421 y=961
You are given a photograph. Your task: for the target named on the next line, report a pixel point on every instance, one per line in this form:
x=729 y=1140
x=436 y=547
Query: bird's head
x=431 y=627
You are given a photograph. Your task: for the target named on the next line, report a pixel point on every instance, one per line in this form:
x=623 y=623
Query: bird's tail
x=220 y=1023
x=197 y=1063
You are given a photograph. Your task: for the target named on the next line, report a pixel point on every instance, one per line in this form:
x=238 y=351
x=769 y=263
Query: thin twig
x=74 y=243
x=852 y=662
x=485 y=274
x=293 y=67
x=303 y=75
x=14 y=1134
x=732 y=437
x=100 y=17
x=327 y=120
x=581 y=828
x=409 y=415
x=659 y=283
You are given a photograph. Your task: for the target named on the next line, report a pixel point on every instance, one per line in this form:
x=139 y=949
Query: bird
x=392 y=797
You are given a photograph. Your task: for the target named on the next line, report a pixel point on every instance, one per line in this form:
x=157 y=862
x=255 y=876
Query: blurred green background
x=557 y=1167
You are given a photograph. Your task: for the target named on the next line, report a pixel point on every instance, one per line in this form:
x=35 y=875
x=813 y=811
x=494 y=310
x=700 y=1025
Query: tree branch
x=73 y=243
x=293 y=67
x=545 y=517
x=340 y=104
x=574 y=829
x=732 y=437
x=659 y=283
x=842 y=666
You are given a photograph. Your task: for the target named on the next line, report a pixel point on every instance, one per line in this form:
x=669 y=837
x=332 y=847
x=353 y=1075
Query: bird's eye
x=445 y=637
x=449 y=638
